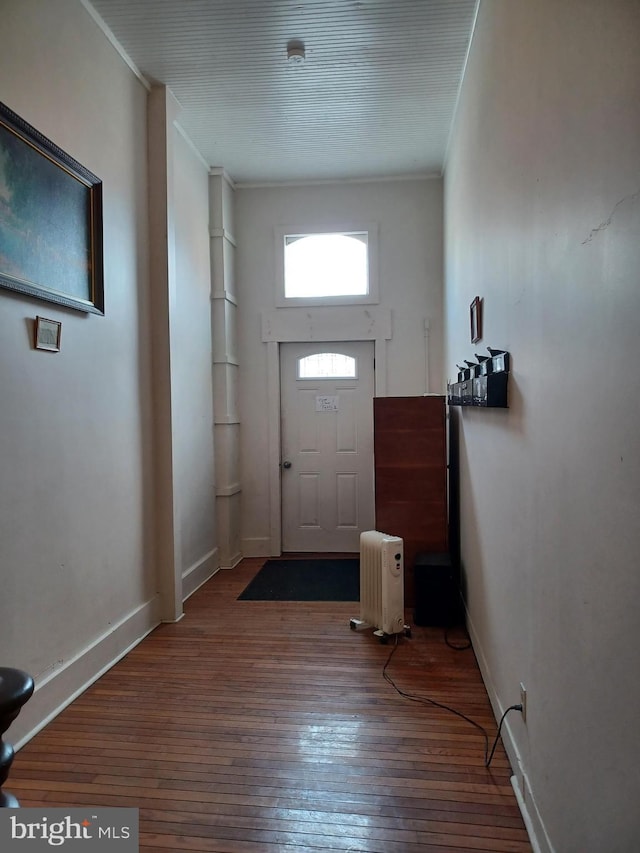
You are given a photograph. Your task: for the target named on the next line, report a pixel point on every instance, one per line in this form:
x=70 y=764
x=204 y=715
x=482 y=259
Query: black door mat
x=305 y=580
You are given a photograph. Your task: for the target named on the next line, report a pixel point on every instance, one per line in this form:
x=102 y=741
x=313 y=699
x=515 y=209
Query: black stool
x=16 y=688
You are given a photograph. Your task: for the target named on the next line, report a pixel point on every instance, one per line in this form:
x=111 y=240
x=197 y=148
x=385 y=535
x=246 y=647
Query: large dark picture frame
x=50 y=220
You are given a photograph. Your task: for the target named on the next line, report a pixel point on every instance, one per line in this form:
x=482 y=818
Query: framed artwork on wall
x=50 y=220
x=47 y=334
x=475 y=316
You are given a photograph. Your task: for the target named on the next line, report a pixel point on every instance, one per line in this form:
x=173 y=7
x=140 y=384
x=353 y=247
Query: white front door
x=327 y=445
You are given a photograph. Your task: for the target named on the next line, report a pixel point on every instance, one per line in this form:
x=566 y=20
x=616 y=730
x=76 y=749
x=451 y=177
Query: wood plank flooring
x=255 y=727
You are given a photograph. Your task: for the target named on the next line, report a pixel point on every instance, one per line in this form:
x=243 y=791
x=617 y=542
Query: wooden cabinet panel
x=410 y=449
x=421 y=484
x=411 y=475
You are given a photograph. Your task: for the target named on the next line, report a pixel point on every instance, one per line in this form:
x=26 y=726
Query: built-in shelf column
x=224 y=308
x=163 y=110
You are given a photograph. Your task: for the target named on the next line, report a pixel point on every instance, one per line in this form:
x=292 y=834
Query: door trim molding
x=313 y=325
x=273 y=454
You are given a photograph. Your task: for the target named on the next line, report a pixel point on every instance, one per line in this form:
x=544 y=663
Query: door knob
x=286 y=464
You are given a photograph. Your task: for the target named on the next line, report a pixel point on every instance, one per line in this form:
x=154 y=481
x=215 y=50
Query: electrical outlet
x=523 y=701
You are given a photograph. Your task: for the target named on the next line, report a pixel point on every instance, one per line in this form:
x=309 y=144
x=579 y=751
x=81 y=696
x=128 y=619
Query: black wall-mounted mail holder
x=483 y=384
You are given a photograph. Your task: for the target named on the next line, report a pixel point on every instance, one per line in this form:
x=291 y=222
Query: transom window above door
x=327 y=365
x=327 y=268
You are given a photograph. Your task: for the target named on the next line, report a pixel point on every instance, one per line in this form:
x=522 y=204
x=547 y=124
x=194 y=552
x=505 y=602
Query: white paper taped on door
x=327 y=403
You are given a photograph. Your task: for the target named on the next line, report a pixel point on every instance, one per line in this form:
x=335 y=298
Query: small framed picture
x=47 y=334
x=475 y=314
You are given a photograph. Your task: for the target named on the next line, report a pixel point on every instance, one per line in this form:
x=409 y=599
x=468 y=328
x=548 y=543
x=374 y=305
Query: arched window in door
x=327 y=365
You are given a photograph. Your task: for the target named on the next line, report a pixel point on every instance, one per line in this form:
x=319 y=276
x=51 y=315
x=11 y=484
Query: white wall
x=192 y=363
x=542 y=212
x=409 y=218
x=76 y=555
x=79 y=564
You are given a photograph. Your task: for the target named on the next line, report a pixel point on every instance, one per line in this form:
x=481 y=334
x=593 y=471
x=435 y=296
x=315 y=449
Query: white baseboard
x=540 y=841
x=199 y=573
x=63 y=685
x=257 y=547
x=231 y=561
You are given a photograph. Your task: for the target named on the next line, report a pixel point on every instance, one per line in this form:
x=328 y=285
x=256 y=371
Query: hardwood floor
x=254 y=727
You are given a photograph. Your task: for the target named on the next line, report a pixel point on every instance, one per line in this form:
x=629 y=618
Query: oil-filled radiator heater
x=381 y=584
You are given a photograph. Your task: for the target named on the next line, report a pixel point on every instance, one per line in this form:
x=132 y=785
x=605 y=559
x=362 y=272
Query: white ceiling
x=374 y=98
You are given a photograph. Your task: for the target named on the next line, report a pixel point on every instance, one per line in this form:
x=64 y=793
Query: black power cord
x=463 y=648
x=425 y=700
x=517 y=707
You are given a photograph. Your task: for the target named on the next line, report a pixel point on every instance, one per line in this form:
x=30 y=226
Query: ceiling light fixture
x=295 y=52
